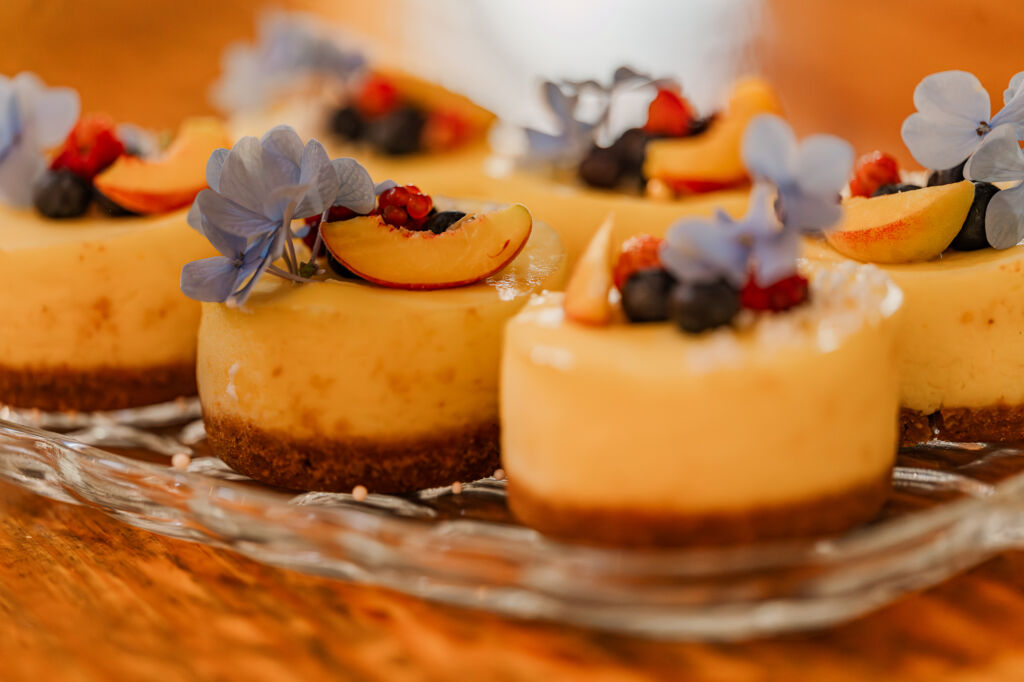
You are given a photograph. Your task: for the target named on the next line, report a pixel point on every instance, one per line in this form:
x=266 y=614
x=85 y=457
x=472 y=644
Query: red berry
x=393 y=215
x=91 y=146
x=444 y=129
x=377 y=97
x=872 y=171
x=419 y=206
x=669 y=114
x=396 y=196
x=638 y=253
x=781 y=295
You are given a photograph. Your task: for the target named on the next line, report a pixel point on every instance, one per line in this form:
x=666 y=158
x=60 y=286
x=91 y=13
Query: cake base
x=337 y=465
x=625 y=527
x=993 y=424
x=99 y=389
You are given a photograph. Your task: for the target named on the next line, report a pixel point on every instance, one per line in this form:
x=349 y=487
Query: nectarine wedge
x=902 y=228
x=472 y=249
x=712 y=160
x=171 y=181
x=586 y=296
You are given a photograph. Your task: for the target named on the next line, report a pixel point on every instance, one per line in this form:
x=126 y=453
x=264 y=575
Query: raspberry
x=444 y=130
x=781 y=295
x=871 y=172
x=638 y=253
x=91 y=146
x=406 y=207
x=377 y=97
x=669 y=114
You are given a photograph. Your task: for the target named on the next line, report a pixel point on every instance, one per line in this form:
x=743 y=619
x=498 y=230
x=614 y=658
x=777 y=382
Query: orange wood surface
x=84 y=598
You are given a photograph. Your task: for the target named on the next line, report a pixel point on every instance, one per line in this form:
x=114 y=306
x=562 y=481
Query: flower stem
x=319 y=235
x=288 y=275
x=293 y=260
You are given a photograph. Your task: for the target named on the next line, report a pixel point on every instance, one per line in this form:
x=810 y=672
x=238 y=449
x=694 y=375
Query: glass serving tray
x=952 y=506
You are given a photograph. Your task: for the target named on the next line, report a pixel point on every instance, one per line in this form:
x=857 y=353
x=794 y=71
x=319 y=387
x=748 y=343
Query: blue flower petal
x=956 y=94
x=823 y=165
x=225 y=215
x=56 y=111
x=950 y=107
x=383 y=186
x=1013 y=109
x=1004 y=218
x=210 y=279
x=10 y=118
x=215 y=166
x=259 y=258
x=18 y=171
x=1014 y=88
x=355 y=186
x=316 y=171
x=998 y=159
x=282 y=141
x=769 y=149
x=775 y=256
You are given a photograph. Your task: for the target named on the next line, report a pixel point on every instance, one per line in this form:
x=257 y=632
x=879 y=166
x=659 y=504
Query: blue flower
x=999 y=158
x=256 y=189
x=289 y=46
x=954 y=115
x=33 y=118
x=574 y=135
x=808 y=176
x=797 y=191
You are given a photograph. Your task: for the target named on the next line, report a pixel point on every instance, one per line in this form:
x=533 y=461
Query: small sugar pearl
x=499 y=474
x=181 y=461
x=456 y=488
x=359 y=493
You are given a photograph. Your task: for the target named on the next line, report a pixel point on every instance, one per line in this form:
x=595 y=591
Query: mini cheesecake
x=639 y=435
x=343 y=382
x=961 y=358
x=93 y=318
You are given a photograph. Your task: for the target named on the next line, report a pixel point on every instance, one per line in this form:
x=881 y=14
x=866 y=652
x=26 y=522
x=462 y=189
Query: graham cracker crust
x=997 y=423
x=625 y=527
x=338 y=465
x=103 y=388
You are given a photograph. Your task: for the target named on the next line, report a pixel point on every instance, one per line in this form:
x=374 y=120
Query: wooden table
x=83 y=598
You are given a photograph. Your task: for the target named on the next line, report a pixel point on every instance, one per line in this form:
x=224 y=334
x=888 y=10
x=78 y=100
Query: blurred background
x=847 y=68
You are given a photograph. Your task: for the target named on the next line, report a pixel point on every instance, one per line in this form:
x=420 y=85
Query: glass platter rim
x=533 y=551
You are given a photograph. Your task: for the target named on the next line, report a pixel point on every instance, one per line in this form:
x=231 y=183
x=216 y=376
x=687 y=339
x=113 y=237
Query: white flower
x=33 y=118
x=954 y=115
x=999 y=159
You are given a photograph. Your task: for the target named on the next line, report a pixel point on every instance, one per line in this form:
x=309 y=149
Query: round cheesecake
x=340 y=383
x=641 y=435
x=961 y=346
x=93 y=316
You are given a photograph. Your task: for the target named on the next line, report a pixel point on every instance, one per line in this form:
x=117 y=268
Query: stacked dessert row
x=716 y=369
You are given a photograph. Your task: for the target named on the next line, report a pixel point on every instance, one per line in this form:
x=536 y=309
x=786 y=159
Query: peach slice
x=902 y=228
x=712 y=160
x=586 y=296
x=171 y=181
x=474 y=248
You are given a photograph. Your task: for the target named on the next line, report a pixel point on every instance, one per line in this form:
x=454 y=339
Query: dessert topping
x=895 y=189
x=871 y=172
x=645 y=295
x=638 y=253
x=61 y=194
x=439 y=222
x=669 y=114
x=91 y=146
x=781 y=295
x=971 y=236
x=697 y=307
x=406 y=207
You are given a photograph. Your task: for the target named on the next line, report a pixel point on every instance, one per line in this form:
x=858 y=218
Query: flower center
x=983 y=128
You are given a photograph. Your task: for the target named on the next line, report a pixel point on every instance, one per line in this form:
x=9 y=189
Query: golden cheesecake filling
x=377 y=369
x=960 y=345
x=785 y=409
x=93 y=304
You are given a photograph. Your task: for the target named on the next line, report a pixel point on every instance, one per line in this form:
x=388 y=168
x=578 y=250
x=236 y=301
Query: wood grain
x=84 y=598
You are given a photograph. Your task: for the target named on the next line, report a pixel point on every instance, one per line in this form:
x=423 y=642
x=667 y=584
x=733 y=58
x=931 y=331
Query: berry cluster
x=66 y=189
x=406 y=207
x=652 y=294
x=668 y=115
x=873 y=171
x=379 y=116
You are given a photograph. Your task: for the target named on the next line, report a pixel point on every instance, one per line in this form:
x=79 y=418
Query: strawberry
x=638 y=253
x=669 y=114
x=91 y=146
x=444 y=130
x=377 y=97
x=872 y=171
x=778 y=296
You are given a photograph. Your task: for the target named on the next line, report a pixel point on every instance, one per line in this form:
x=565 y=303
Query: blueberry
x=108 y=207
x=61 y=194
x=347 y=123
x=645 y=295
x=398 y=132
x=700 y=307
x=439 y=222
x=601 y=168
x=631 y=148
x=971 y=236
x=947 y=176
x=700 y=125
x=895 y=189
